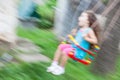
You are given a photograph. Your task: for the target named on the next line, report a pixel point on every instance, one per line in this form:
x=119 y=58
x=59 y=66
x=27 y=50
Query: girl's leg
x=57 y=55
x=59 y=50
x=60 y=69
x=54 y=63
x=64 y=59
x=56 y=58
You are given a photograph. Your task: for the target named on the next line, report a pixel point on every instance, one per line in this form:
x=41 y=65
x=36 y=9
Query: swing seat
x=86 y=62
x=91 y=53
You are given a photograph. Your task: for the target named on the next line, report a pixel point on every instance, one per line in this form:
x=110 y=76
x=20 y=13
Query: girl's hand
x=73 y=32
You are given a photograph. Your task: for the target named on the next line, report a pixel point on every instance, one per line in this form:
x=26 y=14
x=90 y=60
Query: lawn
x=48 y=43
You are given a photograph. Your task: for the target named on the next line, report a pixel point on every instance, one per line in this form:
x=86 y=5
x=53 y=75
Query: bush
x=44 y=24
x=47 y=14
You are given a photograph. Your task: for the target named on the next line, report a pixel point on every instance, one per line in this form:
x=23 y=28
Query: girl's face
x=83 y=20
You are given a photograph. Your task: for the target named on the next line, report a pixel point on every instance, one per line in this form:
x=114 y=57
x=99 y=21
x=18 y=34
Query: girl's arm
x=90 y=37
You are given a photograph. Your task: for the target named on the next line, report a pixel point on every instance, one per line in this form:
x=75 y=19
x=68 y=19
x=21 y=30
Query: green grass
x=43 y=38
x=37 y=71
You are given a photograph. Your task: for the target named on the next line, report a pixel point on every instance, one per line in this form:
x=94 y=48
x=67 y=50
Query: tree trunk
x=106 y=59
x=63 y=17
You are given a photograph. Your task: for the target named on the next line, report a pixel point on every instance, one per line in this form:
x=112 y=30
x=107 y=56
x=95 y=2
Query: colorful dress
x=82 y=42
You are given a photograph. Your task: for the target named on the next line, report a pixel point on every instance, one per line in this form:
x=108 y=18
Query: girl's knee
x=67 y=51
x=64 y=46
x=61 y=46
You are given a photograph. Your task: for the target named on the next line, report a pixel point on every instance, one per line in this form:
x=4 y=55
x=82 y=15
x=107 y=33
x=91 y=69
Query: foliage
x=47 y=14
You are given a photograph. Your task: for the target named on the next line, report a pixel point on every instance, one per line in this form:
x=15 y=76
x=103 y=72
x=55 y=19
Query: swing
x=91 y=53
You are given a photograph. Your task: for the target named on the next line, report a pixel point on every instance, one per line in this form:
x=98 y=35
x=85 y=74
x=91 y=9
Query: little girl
x=85 y=36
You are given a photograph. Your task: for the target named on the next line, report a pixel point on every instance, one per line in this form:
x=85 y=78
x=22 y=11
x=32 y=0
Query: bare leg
x=55 y=60
x=64 y=59
x=57 y=55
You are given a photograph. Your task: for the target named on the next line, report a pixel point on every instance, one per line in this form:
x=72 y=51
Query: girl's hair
x=93 y=23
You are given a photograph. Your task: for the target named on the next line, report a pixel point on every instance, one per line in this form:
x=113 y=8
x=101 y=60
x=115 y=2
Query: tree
x=63 y=16
x=107 y=57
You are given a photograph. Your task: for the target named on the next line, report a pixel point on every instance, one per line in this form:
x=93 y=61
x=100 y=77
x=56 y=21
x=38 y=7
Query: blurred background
x=31 y=30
